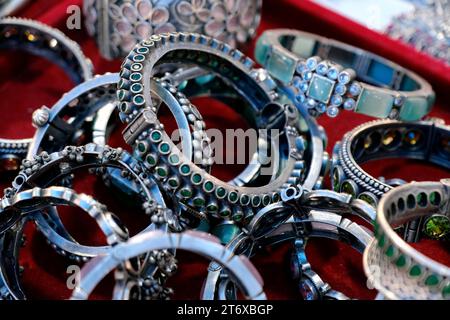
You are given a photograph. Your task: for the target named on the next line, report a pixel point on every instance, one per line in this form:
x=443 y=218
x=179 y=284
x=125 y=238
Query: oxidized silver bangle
x=393 y=267
x=119 y=25
x=325 y=75
x=196 y=81
x=177 y=173
x=46 y=169
x=271 y=226
x=239 y=268
x=52 y=44
x=424 y=140
x=11 y=239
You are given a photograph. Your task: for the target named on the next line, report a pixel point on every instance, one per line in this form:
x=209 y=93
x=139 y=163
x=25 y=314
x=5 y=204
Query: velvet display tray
x=28 y=83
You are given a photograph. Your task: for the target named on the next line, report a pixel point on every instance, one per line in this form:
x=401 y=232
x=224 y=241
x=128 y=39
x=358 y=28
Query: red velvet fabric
x=27 y=83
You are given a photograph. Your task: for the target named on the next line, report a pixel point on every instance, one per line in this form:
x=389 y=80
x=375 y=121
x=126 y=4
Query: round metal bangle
x=28 y=201
x=230 y=65
x=315 y=224
x=46 y=169
x=238 y=267
x=325 y=75
x=11 y=239
x=316 y=159
x=86 y=99
x=393 y=267
x=385 y=139
x=118 y=25
x=41 y=40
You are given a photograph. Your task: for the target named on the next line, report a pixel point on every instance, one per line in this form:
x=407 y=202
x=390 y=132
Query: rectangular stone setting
x=375 y=103
x=280 y=65
x=414 y=109
x=320 y=88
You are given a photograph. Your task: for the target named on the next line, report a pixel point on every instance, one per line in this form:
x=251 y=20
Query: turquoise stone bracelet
x=325 y=76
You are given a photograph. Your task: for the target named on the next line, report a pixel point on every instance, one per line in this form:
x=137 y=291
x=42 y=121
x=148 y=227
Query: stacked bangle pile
x=174 y=52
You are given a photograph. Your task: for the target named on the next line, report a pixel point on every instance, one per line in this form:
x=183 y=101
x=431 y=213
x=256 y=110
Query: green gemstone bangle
x=326 y=75
x=394 y=268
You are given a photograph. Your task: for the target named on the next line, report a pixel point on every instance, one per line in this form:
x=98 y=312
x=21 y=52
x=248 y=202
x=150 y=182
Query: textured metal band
x=320 y=74
x=314 y=224
x=393 y=267
x=118 y=25
x=41 y=40
x=424 y=140
x=46 y=169
x=236 y=69
x=239 y=268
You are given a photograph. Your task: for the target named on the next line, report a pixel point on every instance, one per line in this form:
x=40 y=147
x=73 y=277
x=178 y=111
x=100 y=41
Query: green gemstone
x=138 y=58
x=266 y=200
x=208 y=186
x=225 y=213
x=221 y=192
x=435 y=198
x=151 y=160
x=446 y=291
x=256 y=201
x=374 y=103
x=276 y=197
x=368 y=199
x=432 y=280
x=238 y=217
x=320 y=88
x=437 y=226
x=245 y=199
x=156 y=136
x=347 y=187
x=336 y=179
x=390 y=251
x=142 y=50
x=196 y=178
x=233 y=196
x=139 y=99
x=185 y=170
x=136 y=76
x=161 y=172
x=199 y=202
x=174 y=159
x=142 y=147
x=186 y=193
x=136 y=88
x=212 y=208
x=164 y=147
x=173 y=182
x=415 y=271
x=381 y=240
x=401 y=261
x=414 y=109
x=121 y=94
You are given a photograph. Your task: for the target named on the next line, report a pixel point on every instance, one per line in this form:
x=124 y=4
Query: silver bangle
x=239 y=268
x=320 y=73
x=11 y=239
x=46 y=168
x=381 y=139
x=118 y=25
x=392 y=266
x=52 y=44
x=219 y=198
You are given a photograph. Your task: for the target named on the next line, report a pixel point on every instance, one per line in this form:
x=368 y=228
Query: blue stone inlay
x=320 y=88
